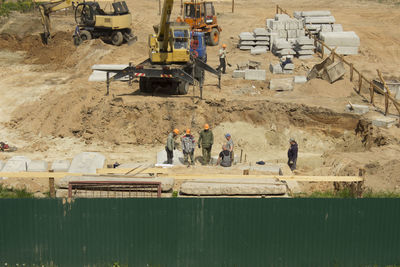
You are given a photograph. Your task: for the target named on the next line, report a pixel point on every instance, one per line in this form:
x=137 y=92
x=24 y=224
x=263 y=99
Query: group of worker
x=205 y=142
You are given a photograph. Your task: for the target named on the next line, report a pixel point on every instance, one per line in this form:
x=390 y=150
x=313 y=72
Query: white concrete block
x=262 y=43
x=297 y=14
x=301 y=33
x=284 y=52
x=300 y=79
x=262 y=38
x=304 y=41
x=275 y=68
x=258 y=50
x=60 y=165
x=260 y=32
x=177 y=159
x=247 y=43
x=16 y=164
x=337 y=28
x=304 y=57
x=255 y=75
x=269 y=23
x=238 y=74
x=247 y=36
x=316 y=13
x=358 y=109
x=292 y=33
x=305 y=52
x=289 y=66
x=87 y=163
x=267 y=168
x=281 y=17
x=2 y=163
x=341 y=50
x=38 y=166
x=340 y=38
x=245 y=47
x=316 y=20
x=382 y=121
x=285 y=84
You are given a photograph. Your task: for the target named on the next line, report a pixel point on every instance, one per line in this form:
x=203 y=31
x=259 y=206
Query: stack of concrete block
x=304 y=47
x=318 y=21
x=261 y=42
x=346 y=43
x=285 y=27
x=280 y=68
x=281 y=48
x=247 y=41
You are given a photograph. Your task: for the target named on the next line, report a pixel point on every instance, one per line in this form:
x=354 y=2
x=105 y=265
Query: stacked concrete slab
x=318 y=21
x=257 y=41
x=282 y=47
x=346 y=43
x=304 y=47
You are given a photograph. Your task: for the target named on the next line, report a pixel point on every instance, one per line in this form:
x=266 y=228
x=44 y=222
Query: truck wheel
x=183 y=88
x=117 y=38
x=85 y=35
x=213 y=38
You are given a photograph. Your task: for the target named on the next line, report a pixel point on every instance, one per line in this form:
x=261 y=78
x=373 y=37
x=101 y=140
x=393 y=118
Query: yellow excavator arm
x=48 y=7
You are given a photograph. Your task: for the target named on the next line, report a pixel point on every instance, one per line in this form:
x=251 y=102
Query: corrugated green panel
x=201 y=232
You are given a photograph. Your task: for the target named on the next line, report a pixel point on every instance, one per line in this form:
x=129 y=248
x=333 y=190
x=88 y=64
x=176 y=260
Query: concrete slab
x=285 y=52
x=101 y=76
x=267 y=168
x=285 y=84
x=300 y=79
x=87 y=163
x=304 y=41
x=341 y=50
x=260 y=32
x=2 y=163
x=60 y=165
x=167 y=183
x=358 y=109
x=263 y=38
x=335 y=71
x=247 y=43
x=289 y=66
x=255 y=75
x=281 y=17
x=340 y=38
x=247 y=36
x=238 y=74
x=38 y=166
x=305 y=47
x=281 y=44
x=218 y=187
x=16 y=164
x=177 y=159
x=304 y=57
x=294 y=187
x=320 y=19
x=258 y=50
x=337 y=28
x=262 y=43
x=63 y=193
x=275 y=68
x=316 y=13
x=382 y=121
x=245 y=47
x=305 y=52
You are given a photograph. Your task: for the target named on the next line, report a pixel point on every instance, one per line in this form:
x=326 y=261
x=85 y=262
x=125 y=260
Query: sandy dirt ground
x=49 y=110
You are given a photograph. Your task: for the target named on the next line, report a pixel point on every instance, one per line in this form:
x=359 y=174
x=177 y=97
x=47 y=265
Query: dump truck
x=177 y=58
x=92 y=21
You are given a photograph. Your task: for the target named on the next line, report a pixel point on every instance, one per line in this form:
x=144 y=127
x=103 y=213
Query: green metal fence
x=200 y=232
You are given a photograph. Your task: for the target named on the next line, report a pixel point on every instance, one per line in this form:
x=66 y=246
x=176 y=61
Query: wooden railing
x=361 y=78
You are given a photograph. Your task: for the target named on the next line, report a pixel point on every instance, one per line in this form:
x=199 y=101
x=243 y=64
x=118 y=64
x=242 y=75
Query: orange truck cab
x=200 y=15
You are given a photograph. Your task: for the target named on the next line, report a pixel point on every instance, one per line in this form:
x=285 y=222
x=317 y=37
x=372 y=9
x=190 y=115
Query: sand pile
x=318 y=87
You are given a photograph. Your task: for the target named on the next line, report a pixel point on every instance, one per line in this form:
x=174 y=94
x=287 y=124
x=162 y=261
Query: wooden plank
x=283 y=178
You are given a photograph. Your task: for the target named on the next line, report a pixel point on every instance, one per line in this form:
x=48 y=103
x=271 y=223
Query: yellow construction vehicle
x=177 y=58
x=92 y=21
x=200 y=15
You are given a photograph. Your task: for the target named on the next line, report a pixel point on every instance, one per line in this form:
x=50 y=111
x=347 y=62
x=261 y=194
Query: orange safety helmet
x=187 y=131
x=176 y=131
x=223 y=45
x=206 y=126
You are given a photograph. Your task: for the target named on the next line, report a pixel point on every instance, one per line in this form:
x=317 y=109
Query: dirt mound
x=318 y=87
x=59 y=52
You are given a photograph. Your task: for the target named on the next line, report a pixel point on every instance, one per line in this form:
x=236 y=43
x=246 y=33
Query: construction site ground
x=50 y=111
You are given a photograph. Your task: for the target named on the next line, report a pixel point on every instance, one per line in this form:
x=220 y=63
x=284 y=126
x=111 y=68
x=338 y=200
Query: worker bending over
x=224 y=158
x=171 y=145
x=206 y=141
x=229 y=144
x=188 y=145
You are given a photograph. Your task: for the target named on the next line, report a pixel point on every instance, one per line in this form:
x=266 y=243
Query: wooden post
x=52 y=189
x=386 y=103
x=371 y=93
x=246 y=172
x=359 y=82
x=159 y=7
x=351 y=71
x=108 y=83
x=130 y=75
x=233 y=6
x=277 y=9
x=322 y=50
x=181 y=7
x=241 y=155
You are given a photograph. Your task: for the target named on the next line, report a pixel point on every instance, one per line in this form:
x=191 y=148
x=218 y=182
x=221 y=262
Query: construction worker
x=222 y=59
x=188 y=145
x=171 y=145
x=206 y=140
x=229 y=144
x=224 y=158
x=292 y=154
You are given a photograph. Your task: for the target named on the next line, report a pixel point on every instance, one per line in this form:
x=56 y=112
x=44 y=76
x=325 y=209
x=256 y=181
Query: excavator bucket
x=130 y=38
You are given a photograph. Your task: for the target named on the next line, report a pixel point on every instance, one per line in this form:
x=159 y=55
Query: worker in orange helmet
x=222 y=59
x=188 y=145
x=206 y=141
x=171 y=145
